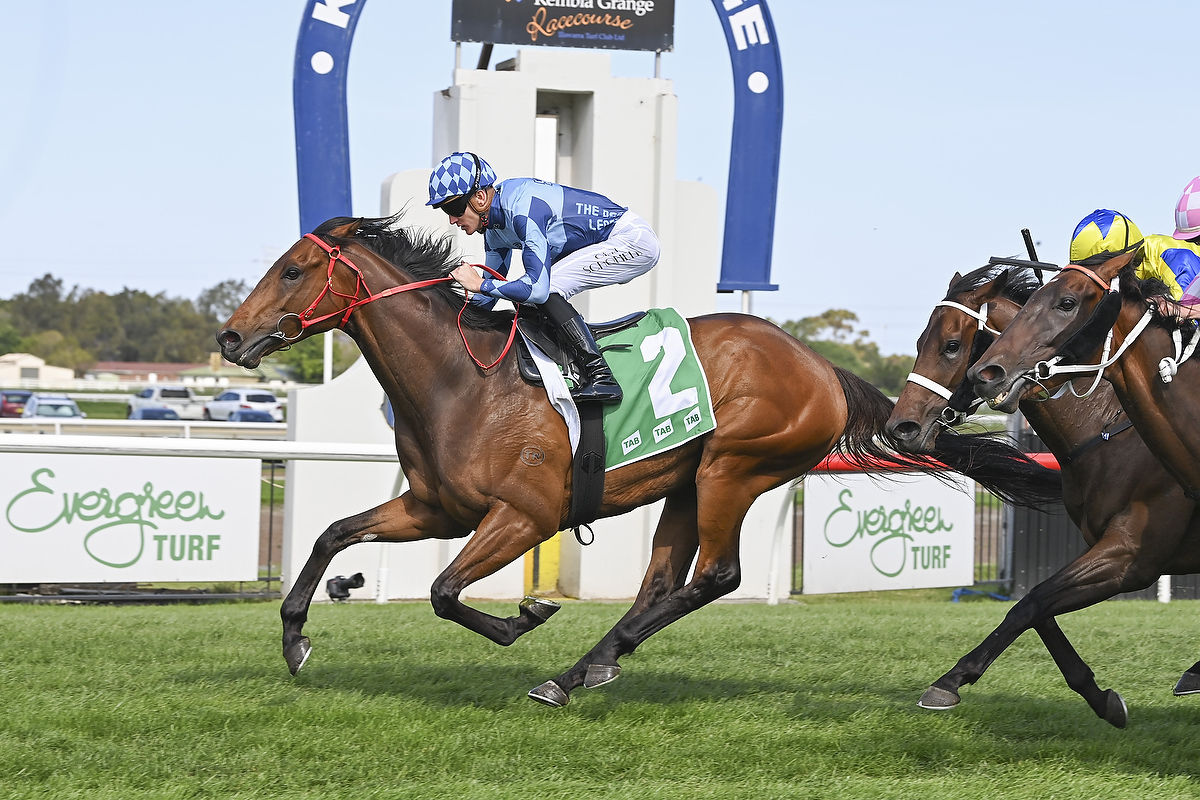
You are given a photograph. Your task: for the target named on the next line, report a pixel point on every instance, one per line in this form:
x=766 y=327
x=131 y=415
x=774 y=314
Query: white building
x=16 y=368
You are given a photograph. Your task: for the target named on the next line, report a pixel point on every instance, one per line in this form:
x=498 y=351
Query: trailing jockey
x=1174 y=260
x=570 y=240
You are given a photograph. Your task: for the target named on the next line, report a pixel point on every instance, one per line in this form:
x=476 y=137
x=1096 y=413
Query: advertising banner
x=598 y=24
x=92 y=519
x=906 y=532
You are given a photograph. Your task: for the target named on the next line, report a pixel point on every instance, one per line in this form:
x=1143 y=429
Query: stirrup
x=602 y=391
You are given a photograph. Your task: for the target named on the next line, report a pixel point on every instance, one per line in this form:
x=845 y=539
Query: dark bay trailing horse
x=461 y=431
x=1135 y=518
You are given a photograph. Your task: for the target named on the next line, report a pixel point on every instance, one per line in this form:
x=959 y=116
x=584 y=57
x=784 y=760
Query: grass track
x=738 y=701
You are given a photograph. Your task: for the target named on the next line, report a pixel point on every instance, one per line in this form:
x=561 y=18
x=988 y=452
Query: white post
x=1164 y=588
x=328 y=372
x=746 y=302
x=773 y=593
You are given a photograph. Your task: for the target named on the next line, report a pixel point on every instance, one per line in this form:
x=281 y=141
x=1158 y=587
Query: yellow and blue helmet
x=1103 y=231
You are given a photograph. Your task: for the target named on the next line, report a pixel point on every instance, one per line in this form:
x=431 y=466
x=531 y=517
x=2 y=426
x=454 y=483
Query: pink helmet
x=1187 y=212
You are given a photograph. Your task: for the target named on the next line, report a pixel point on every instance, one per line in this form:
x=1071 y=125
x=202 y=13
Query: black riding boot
x=596 y=381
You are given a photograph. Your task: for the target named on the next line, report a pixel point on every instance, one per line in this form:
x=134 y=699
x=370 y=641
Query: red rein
x=335 y=255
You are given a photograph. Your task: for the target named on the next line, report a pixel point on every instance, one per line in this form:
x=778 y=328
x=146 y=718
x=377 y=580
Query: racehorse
x=462 y=429
x=1135 y=519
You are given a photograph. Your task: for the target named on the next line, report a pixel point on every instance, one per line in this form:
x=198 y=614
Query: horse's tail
x=992 y=461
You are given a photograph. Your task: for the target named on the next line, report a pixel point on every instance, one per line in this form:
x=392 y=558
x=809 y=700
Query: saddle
x=588 y=467
x=538 y=329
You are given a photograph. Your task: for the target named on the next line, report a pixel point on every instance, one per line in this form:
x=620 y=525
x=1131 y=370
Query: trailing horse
x=461 y=429
x=1135 y=519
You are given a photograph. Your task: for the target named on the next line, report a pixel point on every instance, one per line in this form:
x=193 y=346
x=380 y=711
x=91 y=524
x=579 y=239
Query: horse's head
x=283 y=306
x=1069 y=317
x=959 y=330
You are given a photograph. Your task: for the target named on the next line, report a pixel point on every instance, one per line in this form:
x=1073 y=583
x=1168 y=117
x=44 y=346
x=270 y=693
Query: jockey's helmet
x=458 y=174
x=1187 y=212
x=1103 y=231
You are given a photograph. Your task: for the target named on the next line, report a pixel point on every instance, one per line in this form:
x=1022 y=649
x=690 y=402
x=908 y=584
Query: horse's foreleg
x=1108 y=705
x=503 y=536
x=1102 y=572
x=674 y=547
x=403 y=519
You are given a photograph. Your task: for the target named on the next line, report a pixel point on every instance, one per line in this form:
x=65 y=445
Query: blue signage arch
x=323 y=141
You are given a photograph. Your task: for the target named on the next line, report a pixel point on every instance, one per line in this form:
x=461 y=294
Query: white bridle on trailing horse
x=954 y=416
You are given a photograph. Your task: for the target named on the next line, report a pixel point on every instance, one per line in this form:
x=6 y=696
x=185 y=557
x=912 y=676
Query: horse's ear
x=347 y=230
x=1115 y=264
x=957 y=277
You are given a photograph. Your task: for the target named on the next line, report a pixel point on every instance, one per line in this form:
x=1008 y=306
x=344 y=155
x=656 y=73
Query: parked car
x=51 y=405
x=251 y=415
x=224 y=404
x=12 y=402
x=180 y=398
x=153 y=413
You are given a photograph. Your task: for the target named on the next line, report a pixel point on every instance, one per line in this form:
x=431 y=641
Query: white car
x=51 y=405
x=224 y=404
x=180 y=398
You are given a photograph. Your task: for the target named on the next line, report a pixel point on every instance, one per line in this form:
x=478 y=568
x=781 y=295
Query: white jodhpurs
x=630 y=250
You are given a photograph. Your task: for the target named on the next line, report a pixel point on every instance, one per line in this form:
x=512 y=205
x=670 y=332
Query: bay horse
x=1135 y=518
x=461 y=429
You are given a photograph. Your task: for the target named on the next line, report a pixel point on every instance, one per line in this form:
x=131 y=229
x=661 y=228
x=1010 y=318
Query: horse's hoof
x=600 y=674
x=1117 y=713
x=297 y=653
x=540 y=607
x=1188 y=684
x=550 y=694
x=936 y=699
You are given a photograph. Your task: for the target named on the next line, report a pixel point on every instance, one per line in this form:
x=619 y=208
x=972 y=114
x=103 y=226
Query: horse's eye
x=1067 y=304
x=952 y=347
x=291 y=273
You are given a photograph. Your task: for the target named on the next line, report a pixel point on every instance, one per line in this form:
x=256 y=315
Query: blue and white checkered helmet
x=458 y=174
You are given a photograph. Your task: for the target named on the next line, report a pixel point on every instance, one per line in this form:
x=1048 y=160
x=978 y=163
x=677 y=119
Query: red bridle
x=306 y=318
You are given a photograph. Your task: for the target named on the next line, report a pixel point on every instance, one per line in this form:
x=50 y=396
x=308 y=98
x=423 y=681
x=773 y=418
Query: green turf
x=812 y=699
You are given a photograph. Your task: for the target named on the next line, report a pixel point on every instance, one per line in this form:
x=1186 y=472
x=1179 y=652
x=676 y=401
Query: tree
x=220 y=301
x=305 y=360
x=834 y=336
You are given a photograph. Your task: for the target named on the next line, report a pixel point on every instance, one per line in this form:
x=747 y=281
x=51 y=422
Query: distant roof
x=142 y=367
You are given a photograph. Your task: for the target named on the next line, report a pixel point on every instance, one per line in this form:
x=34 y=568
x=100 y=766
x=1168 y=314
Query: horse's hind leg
x=403 y=519
x=719 y=514
x=674 y=548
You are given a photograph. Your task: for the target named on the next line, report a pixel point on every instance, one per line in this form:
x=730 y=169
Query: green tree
x=220 y=301
x=835 y=336
x=305 y=360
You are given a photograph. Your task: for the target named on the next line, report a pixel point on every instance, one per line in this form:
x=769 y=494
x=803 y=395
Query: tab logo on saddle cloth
x=666 y=391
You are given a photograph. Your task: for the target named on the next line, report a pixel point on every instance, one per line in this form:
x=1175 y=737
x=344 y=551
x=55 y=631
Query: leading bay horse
x=461 y=430
x=1134 y=517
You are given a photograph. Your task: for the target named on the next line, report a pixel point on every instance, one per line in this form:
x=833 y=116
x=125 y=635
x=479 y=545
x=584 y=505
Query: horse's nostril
x=228 y=339
x=990 y=373
x=904 y=430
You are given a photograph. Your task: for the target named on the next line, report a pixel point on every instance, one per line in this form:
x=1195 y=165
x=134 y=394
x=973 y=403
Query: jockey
x=570 y=240
x=1175 y=263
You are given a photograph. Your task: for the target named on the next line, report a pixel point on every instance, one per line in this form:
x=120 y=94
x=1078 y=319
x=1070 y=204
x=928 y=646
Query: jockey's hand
x=466 y=275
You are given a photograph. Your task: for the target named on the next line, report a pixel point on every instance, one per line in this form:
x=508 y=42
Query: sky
x=149 y=145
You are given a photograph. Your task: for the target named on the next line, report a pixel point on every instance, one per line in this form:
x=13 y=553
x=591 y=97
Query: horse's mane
x=1022 y=282
x=422 y=255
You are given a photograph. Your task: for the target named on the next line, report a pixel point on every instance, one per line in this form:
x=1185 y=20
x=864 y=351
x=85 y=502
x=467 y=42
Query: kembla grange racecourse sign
x=600 y=24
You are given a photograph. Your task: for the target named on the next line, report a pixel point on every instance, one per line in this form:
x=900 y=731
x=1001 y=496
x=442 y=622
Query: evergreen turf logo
x=892 y=534
x=120 y=539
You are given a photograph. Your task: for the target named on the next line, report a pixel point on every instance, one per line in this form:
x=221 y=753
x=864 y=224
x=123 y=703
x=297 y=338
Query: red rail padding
x=836 y=462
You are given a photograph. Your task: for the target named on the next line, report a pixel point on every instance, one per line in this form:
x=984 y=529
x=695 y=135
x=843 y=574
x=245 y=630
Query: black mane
x=422 y=255
x=1022 y=282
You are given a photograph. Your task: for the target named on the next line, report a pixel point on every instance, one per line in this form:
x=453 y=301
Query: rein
x=306 y=319
x=951 y=416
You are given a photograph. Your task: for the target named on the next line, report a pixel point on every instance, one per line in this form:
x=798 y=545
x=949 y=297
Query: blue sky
x=150 y=144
